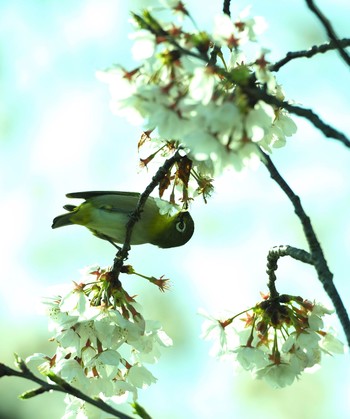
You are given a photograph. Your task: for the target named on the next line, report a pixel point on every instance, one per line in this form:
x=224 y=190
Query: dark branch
x=329 y=29
x=226 y=7
x=293 y=252
x=137 y=213
x=213 y=56
x=308 y=114
x=63 y=387
x=318 y=259
x=272 y=258
x=308 y=53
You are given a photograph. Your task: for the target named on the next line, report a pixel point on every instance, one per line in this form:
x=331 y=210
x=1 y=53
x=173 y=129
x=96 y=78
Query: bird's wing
x=116 y=201
x=91 y=194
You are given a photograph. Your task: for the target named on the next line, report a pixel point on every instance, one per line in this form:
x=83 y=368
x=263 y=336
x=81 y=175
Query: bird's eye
x=181 y=226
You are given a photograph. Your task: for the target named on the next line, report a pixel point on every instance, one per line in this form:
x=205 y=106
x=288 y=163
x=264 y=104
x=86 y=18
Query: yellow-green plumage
x=106 y=214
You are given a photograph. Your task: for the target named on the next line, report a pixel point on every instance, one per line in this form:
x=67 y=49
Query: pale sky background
x=57 y=135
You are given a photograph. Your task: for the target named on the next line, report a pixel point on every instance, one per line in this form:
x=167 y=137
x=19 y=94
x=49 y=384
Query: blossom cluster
x=280 y=339
x=101 y=349
x=199 y=90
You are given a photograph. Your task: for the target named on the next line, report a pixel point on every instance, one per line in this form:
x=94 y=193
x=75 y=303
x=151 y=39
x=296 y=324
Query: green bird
x=106 y=213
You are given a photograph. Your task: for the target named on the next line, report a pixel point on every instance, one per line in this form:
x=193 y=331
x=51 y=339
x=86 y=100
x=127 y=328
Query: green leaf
x=140 y=411
x=32 y=393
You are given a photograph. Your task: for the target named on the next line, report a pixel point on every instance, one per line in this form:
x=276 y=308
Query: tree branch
x=272 y=258
x=318 y=259
x=293 y=252
x=226 y=7
x=306 y=113
x=329 y=29
x=61 y=386
x=137 y=214
x=308 y=53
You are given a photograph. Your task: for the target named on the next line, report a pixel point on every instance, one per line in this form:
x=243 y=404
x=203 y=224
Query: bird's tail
x=62 y=220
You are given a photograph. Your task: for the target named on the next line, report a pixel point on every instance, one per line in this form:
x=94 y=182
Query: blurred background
x=57 y=135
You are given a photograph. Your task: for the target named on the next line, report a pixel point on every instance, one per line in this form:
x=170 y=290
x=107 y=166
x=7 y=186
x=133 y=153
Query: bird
x=106 y=213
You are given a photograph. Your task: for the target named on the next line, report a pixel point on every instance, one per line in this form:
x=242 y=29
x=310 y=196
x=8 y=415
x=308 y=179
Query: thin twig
x=329 y=29
x=213 y=56
x=318 y=259
x=226 y=7
x=306 y=113
x=64 y=388
x=272 y=258
x=308 y=53
x=135 y=216
x=293 y=252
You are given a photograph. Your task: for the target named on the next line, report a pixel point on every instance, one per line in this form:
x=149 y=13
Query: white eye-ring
x=181 y=226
